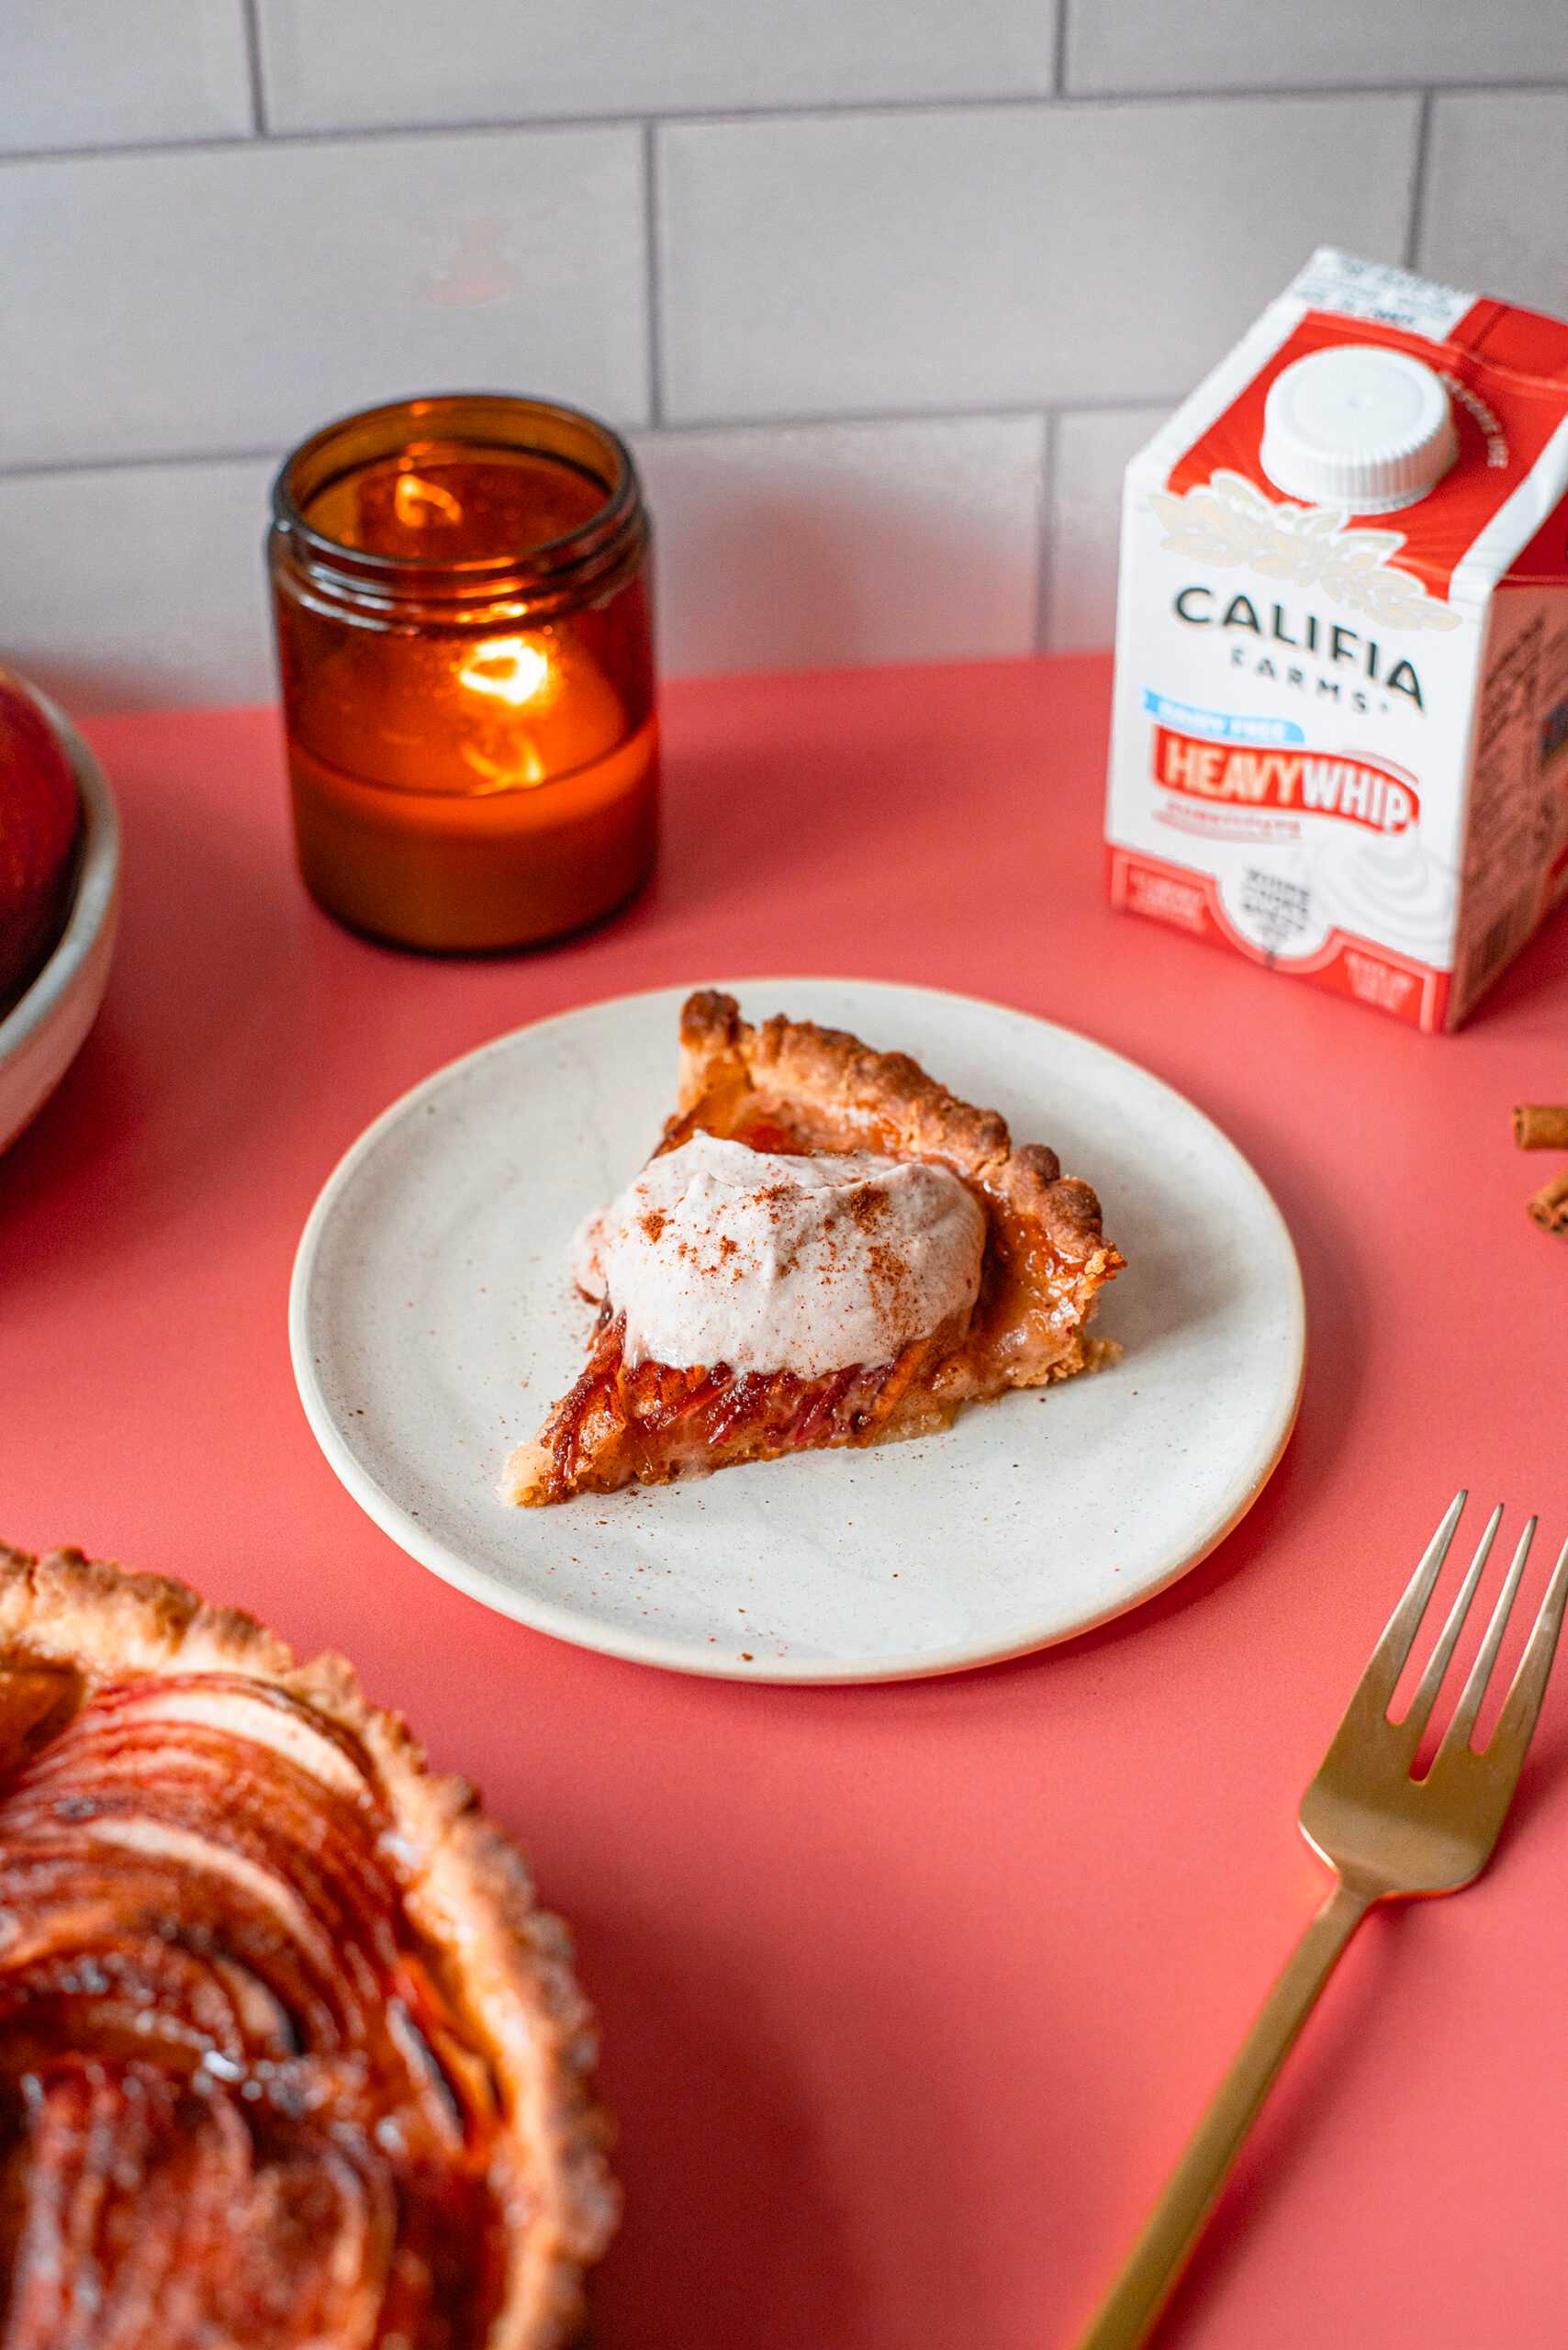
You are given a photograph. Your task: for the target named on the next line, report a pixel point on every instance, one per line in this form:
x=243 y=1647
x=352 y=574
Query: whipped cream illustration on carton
x=1341 y=733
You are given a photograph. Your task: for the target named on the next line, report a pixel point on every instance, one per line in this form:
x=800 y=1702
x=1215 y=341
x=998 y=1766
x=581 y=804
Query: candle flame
x=417 y=502
x=508 y=668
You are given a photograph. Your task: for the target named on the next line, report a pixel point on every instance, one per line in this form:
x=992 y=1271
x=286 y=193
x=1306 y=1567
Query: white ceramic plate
x=433 y=1323
x=47 y=1027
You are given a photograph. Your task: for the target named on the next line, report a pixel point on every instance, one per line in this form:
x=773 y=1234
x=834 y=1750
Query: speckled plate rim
x=676 y=1656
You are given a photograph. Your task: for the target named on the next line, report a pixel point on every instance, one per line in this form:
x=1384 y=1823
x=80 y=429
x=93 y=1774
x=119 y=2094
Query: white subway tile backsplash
x=1088 y=455
x=825 y=546
x=1000 y=257
x=894 y=263
x=108 y=73
x=1235 y=44
x=332 y=64
x=230 y=298
x=1497 y=195
x=139 y=587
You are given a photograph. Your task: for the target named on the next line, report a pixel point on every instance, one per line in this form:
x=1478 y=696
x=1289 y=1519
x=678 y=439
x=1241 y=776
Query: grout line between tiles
x=53 y=468
x=935 y=413
x=1059 y=50
x=373 y=134
x=655 y=282
x=1050 y=443
x=1418 y=174
x=252 y=28
x=860 y=420
x=1012 y=102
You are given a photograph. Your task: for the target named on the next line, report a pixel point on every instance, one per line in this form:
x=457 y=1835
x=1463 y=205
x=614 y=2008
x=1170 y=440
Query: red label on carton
x=1353 y=789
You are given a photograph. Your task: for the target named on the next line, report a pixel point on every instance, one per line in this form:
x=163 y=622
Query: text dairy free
x=1341 y=739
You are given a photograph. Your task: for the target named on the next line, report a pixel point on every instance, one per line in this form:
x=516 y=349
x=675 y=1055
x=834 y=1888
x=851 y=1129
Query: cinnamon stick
x=1542 y=1125
x=1550 y=1206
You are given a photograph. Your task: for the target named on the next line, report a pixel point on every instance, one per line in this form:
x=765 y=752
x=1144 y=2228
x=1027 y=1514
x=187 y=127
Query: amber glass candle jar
x=461 y=595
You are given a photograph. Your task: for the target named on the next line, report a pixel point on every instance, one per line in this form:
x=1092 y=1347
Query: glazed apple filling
x=237 y=2107
x=646 y=1422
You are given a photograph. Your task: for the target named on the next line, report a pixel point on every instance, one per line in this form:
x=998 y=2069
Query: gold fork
x=1386 y=1836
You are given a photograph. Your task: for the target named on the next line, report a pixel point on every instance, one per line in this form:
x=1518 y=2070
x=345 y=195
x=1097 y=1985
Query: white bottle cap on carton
x=1359 y=428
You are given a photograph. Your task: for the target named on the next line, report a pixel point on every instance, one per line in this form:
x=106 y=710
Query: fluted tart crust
x=289 y=2056
x=794 y=1087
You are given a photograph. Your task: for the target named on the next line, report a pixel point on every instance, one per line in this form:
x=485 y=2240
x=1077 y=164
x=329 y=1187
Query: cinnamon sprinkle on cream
x=719 y=1253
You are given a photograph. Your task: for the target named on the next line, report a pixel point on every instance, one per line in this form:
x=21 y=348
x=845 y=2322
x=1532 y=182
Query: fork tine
x=1459 y=1730
x=1517 y=1720
x=1379 y=1680
x=1414 y=1719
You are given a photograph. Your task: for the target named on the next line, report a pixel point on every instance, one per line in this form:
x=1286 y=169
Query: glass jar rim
x=549 y=563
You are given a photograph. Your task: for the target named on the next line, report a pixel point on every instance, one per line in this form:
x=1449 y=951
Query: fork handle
x=1128 y=2314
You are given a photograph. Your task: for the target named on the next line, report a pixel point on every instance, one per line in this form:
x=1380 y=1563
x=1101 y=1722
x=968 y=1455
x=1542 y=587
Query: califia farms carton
x=1340 y=736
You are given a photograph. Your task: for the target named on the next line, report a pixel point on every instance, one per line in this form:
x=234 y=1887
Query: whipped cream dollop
x=722 y=1254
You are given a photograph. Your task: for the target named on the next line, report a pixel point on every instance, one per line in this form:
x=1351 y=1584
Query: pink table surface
x=909 y=1994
